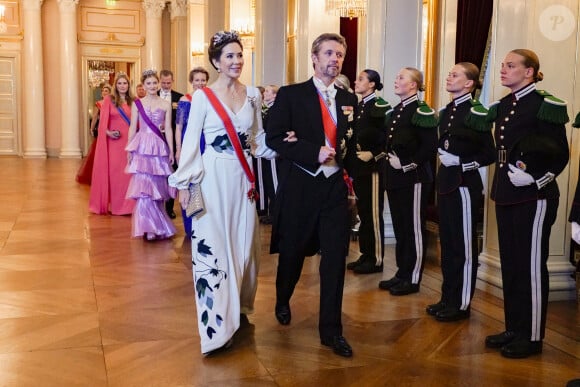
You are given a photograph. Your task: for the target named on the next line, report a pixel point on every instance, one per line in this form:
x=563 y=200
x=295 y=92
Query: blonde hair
x=471 y=72
x=417 y=77
x=530 y=60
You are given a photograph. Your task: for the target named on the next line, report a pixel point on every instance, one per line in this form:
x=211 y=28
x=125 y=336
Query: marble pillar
x=70 y=76
x=33 y=130
x=153 y=11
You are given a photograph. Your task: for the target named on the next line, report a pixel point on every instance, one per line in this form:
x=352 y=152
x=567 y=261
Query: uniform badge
x=349 y=133
x=343 y=148
x=521 y=165
x=446 y=144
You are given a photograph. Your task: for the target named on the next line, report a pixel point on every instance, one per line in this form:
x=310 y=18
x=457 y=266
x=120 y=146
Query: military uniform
x=368 y=182
x=412 y=137
x=174 y=98
x=530 y=135
x=465 y=133
x=266 y=173
x=575 y=210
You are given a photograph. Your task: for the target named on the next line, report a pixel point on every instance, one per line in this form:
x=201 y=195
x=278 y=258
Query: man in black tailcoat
x=311 y=207
x=166 y=92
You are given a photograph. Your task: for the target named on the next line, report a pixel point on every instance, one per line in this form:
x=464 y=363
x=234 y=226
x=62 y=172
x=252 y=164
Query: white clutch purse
x=195 y=205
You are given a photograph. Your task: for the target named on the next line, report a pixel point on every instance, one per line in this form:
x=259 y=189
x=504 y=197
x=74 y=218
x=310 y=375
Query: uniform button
x=501 y=137
x=501 y=165
x=449 y=125
x=514 y=103
x=398 y=116
x=502 y=147
x=394 y=121
x=454 y=109
x=392 y=129
x=506 y=119
x=502 y=127
x=512 y=112
x=451 y=117
x=390 y=136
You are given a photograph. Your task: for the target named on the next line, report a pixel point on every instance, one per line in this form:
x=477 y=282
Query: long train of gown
x=149 y=166
x=109 y=181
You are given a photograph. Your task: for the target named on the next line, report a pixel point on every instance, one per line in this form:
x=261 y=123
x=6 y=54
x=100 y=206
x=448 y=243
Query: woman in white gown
x=225 y=240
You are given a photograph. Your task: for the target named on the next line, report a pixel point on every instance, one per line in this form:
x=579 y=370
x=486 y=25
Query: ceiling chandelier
x=347 y=8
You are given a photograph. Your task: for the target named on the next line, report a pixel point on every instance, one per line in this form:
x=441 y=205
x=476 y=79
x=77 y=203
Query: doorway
x=101 y=73
x=99 y=64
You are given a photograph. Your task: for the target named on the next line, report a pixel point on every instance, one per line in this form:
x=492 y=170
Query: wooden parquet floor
x=83 y=304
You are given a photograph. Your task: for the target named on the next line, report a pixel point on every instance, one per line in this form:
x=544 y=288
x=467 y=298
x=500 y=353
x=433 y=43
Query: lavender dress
x=149 y=165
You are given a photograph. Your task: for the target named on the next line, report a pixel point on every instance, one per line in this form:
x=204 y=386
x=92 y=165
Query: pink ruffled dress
x=150 y=168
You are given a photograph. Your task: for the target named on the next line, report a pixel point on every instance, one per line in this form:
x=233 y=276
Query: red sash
x=234 y=140
x=188 y=96
x=328 y=123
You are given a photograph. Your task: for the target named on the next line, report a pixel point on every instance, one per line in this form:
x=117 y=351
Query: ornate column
x=70 y=77
x=153 y=10
x=270 y=53
x=33 y=82
x=198 y=16
x=179 y=52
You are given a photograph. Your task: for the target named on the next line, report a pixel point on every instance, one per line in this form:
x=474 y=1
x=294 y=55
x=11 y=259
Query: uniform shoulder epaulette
x=552 y=110
x=477 y=117
x=381 y=108
x=576 y=123
x=492 y=111
x=424 y=117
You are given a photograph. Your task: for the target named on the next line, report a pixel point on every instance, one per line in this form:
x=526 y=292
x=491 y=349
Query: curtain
x=349 y=29
x=473 y=27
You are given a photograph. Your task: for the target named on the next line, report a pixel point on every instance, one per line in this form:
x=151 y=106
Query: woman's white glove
x=576 y=232
x=394 y=161
x=448 y=159
x=520 y=178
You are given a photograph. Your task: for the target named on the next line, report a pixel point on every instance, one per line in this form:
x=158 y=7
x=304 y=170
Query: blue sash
x=124 y=115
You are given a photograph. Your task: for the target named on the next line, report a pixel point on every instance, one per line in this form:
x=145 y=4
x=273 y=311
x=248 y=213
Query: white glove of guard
x=447 y=159
x=394 y=161
x=520 y=178
x=365 y=156
x=576 y=232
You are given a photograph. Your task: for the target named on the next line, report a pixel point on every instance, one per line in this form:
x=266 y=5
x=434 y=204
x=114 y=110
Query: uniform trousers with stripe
x=407 y=206
x=524 y=232
x=369 y=190
x=266 y=183
x=458 y=213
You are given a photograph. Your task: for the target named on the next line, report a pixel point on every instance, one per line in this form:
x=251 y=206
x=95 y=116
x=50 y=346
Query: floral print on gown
x=225 y=238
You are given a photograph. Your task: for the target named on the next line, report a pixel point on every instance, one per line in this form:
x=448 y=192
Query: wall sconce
x=3 y=25
x=197 y=49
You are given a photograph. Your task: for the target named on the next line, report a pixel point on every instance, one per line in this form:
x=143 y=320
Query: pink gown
x=109 y=180
x=85 y=172
x=150 y=168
